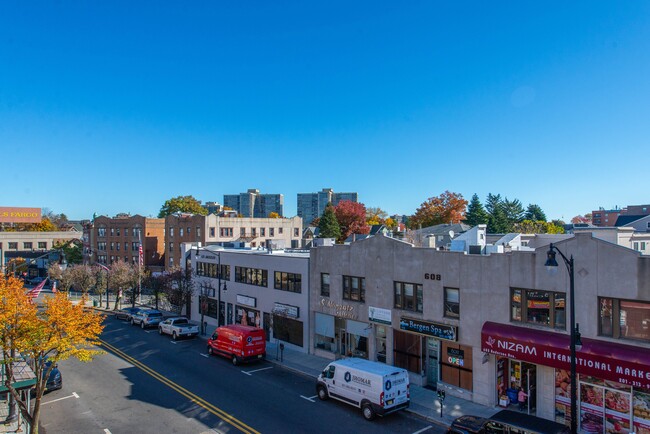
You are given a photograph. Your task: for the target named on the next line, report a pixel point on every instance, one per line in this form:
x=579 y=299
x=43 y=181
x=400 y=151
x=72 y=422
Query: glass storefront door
x=432 y=362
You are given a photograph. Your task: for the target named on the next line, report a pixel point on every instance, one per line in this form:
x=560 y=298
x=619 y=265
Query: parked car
x=146 y=318
x=54 y=381
x=126 y=313
x=178 y=327
x=506 y=421
x=239 y=343
x=376 y=388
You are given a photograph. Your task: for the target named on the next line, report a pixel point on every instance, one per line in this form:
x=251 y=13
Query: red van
x=239 y=343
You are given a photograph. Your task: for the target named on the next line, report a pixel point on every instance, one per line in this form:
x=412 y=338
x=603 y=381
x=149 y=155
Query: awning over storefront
x=625 y=364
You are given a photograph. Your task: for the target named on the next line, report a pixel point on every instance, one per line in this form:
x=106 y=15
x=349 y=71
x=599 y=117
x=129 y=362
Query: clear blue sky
x=116 y=106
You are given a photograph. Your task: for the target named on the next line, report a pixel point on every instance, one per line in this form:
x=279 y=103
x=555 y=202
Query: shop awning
x=623 y=363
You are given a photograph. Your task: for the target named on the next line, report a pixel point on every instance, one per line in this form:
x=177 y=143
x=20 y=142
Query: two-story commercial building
x=259 y=287
x=480 y=326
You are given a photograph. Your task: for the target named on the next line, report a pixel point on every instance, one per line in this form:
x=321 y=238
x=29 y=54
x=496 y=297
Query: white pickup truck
x=178 y=327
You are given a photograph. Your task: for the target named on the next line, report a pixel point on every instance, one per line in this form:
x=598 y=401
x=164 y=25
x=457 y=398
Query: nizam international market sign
x=601 y=359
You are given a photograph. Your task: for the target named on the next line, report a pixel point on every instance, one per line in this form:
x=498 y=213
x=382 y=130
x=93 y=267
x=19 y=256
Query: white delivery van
x=376 y=388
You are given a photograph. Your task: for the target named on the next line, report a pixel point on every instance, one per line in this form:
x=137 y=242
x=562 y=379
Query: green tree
x=534 y=212
x=514 y=211
x=497 y=221
x=475 y=214
x=328 y=225
x=182 y=204
x=71 y=250
x=375 y=216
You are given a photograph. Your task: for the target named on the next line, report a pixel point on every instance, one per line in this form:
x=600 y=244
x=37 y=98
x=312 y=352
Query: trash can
x=94 y=303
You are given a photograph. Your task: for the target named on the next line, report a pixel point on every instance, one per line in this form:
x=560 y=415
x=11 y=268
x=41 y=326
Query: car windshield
x=156 y=314
x=180 y=321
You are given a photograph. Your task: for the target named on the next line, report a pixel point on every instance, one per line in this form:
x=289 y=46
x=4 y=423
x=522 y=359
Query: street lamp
x=576 y=343
x=204 y=290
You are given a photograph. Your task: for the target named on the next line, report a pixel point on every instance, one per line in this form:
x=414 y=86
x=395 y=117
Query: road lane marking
x=107 y=431
x=182 y=391
x=310 y=399
x=172 y=342
x=74 y=395
x=205 y=355
x=250 y=373
x=150 y=331
x=423 y=430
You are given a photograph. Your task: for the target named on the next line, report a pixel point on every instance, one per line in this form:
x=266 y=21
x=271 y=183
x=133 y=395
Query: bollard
x=281 y=352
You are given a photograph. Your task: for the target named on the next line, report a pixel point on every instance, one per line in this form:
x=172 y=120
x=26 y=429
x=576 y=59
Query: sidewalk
x=424 y=402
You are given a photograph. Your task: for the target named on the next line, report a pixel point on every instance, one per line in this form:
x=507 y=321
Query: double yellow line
x=186 y=393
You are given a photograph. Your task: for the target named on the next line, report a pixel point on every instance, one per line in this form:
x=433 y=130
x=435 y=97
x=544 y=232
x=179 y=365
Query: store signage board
x=601 y=359
x=246 y=301
x=382 y=316
x=432 y=329
x=19 y=215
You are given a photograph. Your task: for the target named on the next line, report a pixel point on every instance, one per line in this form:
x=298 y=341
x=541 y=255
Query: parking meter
x=441 y=398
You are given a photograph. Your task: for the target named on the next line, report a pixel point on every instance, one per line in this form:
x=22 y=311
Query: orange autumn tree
x=56 y=331
x=449 y=207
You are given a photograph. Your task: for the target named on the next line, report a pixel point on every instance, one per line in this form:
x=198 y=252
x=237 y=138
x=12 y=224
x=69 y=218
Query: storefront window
x=247 y=316
x=538 y=307
x=380 y=333
x=624 y=319
x=324 y=337
x=287 y=329
x=407 y=351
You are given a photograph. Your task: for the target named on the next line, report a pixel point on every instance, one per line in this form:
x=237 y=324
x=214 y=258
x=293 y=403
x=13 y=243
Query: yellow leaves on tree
x=56 y=331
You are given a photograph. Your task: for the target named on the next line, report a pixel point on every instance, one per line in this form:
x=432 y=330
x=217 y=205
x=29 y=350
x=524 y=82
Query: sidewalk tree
x=182 y=204
x=448 y=207
x=83 y=277
x=351 y=217
x=156 y=283
x=476 y=214
x=62 y=275
x=56 y=331
x=71 y=250
x=101 y=282
x=180 y=288
x=328 y=226
x=120 y=276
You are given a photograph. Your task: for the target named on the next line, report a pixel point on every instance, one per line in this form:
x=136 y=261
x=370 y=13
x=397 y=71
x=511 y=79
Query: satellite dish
x=451 y=234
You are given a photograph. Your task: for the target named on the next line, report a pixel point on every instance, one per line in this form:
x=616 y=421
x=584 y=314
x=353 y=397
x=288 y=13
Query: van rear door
x=396 y=389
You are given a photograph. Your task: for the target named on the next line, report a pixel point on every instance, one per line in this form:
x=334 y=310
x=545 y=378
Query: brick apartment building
x=117 y=239
x=608 y=217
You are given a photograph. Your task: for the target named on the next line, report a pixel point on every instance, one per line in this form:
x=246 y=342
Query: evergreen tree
x=534 y=213
x=497 y=221
x=475 y=214
x=328 y=226
x=514 y=212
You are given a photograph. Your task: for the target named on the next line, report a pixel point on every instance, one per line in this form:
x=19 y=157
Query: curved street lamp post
x=575 y=342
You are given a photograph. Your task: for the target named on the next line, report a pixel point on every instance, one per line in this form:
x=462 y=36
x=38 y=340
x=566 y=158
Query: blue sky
x=110 y=107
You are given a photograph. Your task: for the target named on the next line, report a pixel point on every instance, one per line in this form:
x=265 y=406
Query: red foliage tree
x=352 y=218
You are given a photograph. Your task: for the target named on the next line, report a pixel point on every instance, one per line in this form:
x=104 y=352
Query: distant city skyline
x=117 y=107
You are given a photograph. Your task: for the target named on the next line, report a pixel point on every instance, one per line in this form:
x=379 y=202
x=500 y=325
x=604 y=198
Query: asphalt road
x=148 y=383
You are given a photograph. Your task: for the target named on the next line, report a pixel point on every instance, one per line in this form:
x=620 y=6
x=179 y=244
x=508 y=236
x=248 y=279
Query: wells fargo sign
x=20 y=215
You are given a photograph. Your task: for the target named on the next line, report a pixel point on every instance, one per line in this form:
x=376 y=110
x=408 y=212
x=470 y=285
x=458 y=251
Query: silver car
x=147 y=318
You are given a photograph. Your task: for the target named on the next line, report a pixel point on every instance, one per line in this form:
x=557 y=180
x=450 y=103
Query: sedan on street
x=126 y=313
